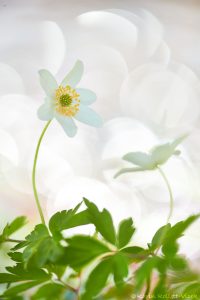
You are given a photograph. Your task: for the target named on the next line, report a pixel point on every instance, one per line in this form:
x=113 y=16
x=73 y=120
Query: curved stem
x=34 y=172
x=170 y=193
x=168 y=219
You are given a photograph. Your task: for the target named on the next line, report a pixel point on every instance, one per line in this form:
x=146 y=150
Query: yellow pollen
x=67 y=101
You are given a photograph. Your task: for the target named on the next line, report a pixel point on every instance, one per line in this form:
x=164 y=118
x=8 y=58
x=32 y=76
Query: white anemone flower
x=66 y=102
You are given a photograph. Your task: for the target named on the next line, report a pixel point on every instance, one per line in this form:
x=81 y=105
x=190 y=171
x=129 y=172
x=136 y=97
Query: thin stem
x=170 y=194
x=148 y=288
x=69 y=287
x=34 y=172
x=79 y=286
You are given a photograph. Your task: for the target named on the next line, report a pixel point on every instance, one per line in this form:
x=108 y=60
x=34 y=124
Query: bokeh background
x=142 y=60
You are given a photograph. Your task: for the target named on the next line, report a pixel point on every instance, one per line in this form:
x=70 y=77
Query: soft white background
x=142 y=60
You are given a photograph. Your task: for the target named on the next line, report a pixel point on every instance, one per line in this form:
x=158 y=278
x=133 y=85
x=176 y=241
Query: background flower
x=148 y=92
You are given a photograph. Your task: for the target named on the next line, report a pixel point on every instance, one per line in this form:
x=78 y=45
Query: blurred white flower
x=30 y=47
x=11 y=82
x=166 y=98
x=123 y=135
x=111 y=43
x=141 y=93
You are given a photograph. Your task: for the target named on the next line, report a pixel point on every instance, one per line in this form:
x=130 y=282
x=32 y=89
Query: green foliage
x=120 y=268
x=50 y=263
x=97 y=279
x=158 y=237
x=41 y=248
x=135 y=253
x=144 y=272
x=125 y=232
x=67 y=219
x=192 y=289
x=102 y=221
x=11 y=228
x=126 y=292
x=82 y=250
x=160 y=288
x=21 y=288
x=49 y=291
x=178 y=229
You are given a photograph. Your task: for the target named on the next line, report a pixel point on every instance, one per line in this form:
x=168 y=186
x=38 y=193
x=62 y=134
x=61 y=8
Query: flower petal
x=45 y=111
x=48 y=82
x=67 y=124
x=87 y=97
x=88 y=116
x=140 y=159
x=74 y=76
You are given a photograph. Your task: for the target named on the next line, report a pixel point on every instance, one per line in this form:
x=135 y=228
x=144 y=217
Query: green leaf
x=178 y=263
x=124 y=293
x=125 y=232
x=144 y=271
x=19 y=246
x=120 y=269
x=40 y=231
x=170 y=249
x=183 y=276
x=57 y=269
x=11 y=228
x=49 y=291
x=20 y=288
x=67 y=219
x=160 y=289
x=82 y=250
x=102 y=221
x=159 y=237
x=178 y=229
x=140 y=159
x=27 y=274
x=15 y=298
x=97 y=279
x=15 y=225
x=8 y=278
x=42 y=249
x=192 y=289
x=34 y=239
x=79 y=219
x=135 y=253
x=16 y=256
x=47 y=251
x=116 y=265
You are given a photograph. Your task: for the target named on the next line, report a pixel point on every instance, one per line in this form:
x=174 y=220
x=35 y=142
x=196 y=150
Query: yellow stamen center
x=67 y=101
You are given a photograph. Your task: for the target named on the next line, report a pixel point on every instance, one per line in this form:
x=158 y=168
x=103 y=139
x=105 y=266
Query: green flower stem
x=168 y=219
x=34 y=173
x=170 y=194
